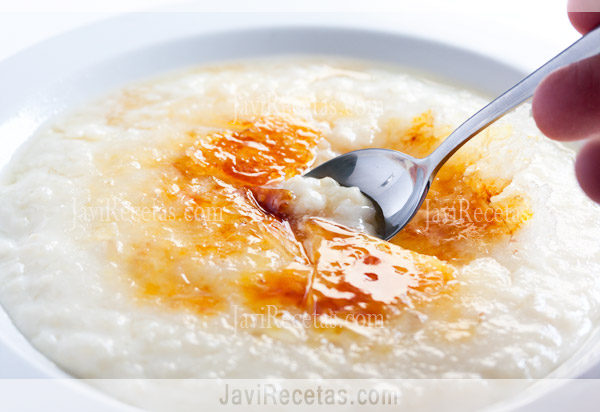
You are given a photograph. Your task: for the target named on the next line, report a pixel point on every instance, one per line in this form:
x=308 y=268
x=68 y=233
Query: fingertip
x=542 y=107
x=587 y=169
x=584 y=14
x=566 y=105
x=549 y=107
x=584 y=22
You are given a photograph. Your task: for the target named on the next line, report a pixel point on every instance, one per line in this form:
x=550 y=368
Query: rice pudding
x=150 y=233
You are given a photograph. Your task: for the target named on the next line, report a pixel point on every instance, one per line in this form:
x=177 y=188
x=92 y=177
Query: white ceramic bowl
x=60 y=73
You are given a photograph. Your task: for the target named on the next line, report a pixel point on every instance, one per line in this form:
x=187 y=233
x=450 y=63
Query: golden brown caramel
x=419 y=139
x=360 y=274
x=175 y=263
x=214 y=219
x=259 y=153
x=175 y=286
x=352 y=275
x=275 y=201
x=286 y=289
x=248 y=250
x=460 y=218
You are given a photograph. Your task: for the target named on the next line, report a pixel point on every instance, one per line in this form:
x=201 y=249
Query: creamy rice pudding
x=165 y=231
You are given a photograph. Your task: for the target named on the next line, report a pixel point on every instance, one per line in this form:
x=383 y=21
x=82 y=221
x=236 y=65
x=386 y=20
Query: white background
x=523 y=32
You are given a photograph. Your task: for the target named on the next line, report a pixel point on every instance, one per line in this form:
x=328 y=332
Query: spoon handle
x=587 y=46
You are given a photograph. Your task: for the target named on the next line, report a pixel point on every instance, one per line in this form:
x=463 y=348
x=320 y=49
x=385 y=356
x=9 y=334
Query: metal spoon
x=397 y=183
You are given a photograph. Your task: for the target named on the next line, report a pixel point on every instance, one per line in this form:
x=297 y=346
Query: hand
x=566 y=105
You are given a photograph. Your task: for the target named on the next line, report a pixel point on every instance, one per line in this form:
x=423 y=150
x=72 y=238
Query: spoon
x=397 y=183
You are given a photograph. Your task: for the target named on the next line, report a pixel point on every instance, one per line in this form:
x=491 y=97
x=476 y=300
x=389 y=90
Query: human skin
x=566 y=105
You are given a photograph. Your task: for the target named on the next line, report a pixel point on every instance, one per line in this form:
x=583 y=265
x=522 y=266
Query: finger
x=587 y=169
x=584 y=14
x=566 y=105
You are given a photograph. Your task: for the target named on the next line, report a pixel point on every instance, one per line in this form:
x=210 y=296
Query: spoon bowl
x=395 y=182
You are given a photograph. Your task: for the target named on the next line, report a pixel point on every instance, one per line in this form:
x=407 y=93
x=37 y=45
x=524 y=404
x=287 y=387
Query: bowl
x=49 y=78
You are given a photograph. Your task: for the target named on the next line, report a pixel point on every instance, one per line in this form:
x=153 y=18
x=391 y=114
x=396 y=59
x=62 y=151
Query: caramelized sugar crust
x=253 y=252
x=359 y=274
x=257 y=153
x=350 y=274
x=462 y=217
x=215 y=231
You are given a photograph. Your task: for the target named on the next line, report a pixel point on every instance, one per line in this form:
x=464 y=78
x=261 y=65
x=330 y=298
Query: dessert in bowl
x=165 y=231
